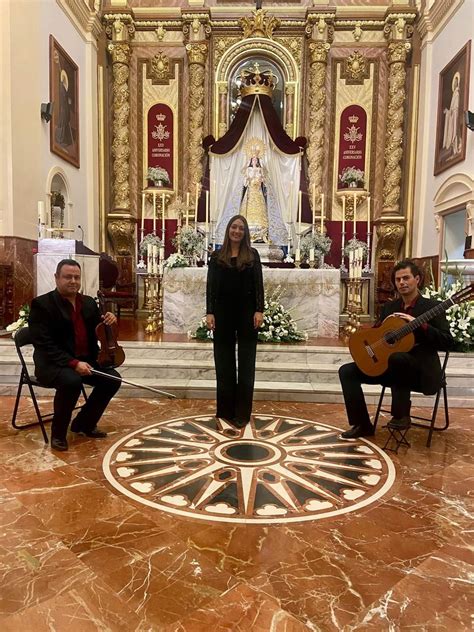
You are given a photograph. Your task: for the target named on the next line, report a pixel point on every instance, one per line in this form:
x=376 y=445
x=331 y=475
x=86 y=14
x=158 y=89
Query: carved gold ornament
x=160 y=67
x=122 y=235
x=256 y=81
x=197 y=53
x=389 y=239
x=259 y=25
x=160 y=32
x=355 y=69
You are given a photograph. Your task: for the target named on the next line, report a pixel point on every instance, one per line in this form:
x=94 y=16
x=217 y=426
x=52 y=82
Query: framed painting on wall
x=64 y=94
x=453 y=97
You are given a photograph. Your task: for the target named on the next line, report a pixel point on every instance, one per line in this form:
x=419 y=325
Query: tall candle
x=187 y=208
x=351 y=264
x=163 y=216
x=207 y=210
x=143 y=212
x=162 y=254
x=311 y=255
x=299 y=212
x=343 y=220
x=355 y=206
x=154 y=212
x=314 y=204
x=154 y=259
x=322 y=213
x=368 y=215
x=148 y=258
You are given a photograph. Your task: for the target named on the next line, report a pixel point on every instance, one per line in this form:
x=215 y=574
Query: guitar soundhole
x=389 y=338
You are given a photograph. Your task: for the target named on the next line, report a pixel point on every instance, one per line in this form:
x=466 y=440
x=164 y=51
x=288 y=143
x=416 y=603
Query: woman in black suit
x=235 y=303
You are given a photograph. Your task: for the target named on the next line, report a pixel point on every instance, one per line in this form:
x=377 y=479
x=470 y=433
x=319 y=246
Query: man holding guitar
x=394 y=357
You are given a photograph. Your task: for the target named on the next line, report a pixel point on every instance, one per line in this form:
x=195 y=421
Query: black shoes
x=399 y=424
x=93 y=434
x=355 y=432
x=59 y=444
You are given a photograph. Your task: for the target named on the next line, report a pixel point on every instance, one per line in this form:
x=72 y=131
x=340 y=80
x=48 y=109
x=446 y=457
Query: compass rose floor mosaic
x=172 y=524
x=277 y=469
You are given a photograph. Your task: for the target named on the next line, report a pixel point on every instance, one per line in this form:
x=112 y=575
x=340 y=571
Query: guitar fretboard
x=398 y=334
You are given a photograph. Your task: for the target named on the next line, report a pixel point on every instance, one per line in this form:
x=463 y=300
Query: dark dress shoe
x=59 y=444
x=358 y=431
x=238 y=423
x=95 y=433
x=399 y=424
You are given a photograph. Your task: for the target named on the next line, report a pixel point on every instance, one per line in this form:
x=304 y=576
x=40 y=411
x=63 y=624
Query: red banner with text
x=352 y=144
x=160 y=134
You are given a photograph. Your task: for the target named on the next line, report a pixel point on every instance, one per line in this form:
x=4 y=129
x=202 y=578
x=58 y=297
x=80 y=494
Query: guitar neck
x=424 y=318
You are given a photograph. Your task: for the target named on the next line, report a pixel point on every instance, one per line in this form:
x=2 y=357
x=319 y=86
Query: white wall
x=24 y=166
x=435 y=55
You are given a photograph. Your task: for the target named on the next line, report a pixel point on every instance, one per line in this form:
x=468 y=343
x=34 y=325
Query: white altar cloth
x=312 y=296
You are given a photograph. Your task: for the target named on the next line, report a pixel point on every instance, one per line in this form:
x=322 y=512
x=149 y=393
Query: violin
x=111 y=354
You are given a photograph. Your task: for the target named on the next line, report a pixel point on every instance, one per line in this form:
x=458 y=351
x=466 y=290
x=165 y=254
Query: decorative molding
x=294 y=45
x=259 y=24
x=433 y=19
x=221 y=45
x=86 y=18
x=389 y=238
x=122 y=234
x=197 y=55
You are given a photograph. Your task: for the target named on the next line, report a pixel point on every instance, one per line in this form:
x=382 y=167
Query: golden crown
x=353 y=118
x=256 y=81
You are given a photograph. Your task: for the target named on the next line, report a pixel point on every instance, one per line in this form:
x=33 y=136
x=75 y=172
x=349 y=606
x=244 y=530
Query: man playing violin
x=62 y=325
x=416 y=370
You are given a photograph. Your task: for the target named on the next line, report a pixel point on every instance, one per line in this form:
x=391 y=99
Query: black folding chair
x=429 y=421
x=22 y=338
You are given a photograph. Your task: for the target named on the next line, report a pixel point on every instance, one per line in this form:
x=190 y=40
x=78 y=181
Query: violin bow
x=120 y=379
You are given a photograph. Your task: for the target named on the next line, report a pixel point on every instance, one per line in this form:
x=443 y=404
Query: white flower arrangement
x=351 y=175
x=321 y=244
x=355 y=244
x=22 y=321
x=460 y=316
x=151 y=239
x=278 y=325
x=176 y=260
x=157 y=175
x=190 y=242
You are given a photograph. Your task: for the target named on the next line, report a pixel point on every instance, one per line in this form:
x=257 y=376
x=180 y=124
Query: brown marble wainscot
x=18 y=252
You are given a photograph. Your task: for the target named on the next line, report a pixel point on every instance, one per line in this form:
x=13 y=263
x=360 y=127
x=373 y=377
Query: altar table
x=311 y=296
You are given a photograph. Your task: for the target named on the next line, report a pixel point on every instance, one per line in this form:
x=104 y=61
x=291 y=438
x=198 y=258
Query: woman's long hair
x=245 y=256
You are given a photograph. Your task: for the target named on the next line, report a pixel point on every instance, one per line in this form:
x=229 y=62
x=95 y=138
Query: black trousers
x=68 y=385
x=235 y=384
x=402 y=376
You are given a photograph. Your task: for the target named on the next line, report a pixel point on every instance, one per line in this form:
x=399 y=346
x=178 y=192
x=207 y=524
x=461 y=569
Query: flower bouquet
x=319 y=242
x=158 y=176
x=190 y=242
x=151 y=239
x=460 y=316
x=278 y=325
x=22 y=320
x=352 y=177
x=355 y=244
x=176 y=260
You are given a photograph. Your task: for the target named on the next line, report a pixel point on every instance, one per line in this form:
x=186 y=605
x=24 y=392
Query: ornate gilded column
x=391 y=225
x=222 y=126
x=197 y=55
x=290 y=98
x=120 y=222
x=319 y=57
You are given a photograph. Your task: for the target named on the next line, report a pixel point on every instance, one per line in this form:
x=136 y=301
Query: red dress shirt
x=81 y=343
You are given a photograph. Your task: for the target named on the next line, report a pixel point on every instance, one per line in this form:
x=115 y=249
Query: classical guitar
x=371 y=348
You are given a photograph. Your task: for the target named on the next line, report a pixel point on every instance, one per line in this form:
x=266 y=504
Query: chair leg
x=17 y=402
x=433 y=419
x=377 y=412
x=38 y=413
x=446 y=408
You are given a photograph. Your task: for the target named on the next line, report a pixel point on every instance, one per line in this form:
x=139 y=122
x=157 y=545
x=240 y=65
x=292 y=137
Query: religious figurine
x=254 y=200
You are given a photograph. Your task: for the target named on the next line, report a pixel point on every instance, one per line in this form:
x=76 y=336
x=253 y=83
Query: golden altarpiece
x=327 y=60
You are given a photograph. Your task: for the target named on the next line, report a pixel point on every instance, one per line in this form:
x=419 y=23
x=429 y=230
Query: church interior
x=132 y=136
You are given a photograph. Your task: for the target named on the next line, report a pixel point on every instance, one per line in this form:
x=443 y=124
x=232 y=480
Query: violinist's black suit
x=53 y=332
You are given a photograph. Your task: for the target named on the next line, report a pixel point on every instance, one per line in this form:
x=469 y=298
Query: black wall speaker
x=47 y=111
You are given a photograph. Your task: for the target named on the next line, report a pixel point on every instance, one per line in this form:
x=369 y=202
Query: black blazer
x=52 y=333
x=252 y=283
x=428 y=341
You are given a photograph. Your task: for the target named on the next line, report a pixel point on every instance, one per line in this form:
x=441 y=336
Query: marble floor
x=292 y=529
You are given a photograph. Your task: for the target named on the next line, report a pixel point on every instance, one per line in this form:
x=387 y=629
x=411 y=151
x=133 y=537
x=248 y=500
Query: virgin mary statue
x=253 y=205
